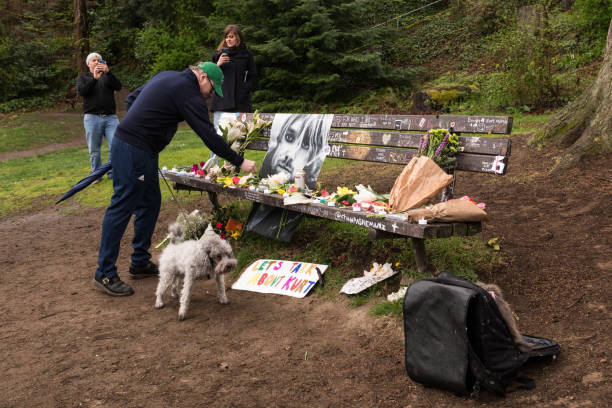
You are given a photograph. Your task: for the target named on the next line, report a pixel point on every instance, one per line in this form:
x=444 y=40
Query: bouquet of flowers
x=364 y=199
x=193 y=224
x=441 y=146
x=238 y=134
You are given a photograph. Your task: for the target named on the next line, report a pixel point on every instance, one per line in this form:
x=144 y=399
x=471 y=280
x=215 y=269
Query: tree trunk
x=584 y=126
x=80 y=35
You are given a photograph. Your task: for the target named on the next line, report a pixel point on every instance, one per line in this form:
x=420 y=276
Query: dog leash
x=178 y=203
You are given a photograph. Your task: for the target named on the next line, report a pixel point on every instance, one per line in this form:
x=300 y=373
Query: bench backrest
x=395 y=138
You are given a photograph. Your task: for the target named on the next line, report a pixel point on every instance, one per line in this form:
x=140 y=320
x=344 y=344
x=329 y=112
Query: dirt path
x=66 y=345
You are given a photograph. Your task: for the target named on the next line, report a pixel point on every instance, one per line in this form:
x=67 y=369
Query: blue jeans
x=96 y=127
x=136 y=191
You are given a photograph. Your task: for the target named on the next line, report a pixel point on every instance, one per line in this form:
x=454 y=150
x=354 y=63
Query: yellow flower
x=280 y=191
x=236 y=235
x=397 y=264
x=227 y=181
x=344 y=191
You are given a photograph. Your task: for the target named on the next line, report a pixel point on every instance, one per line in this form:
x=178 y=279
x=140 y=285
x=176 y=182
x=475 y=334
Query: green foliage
x=159 y=49
x=35 y=53
x=487 y=16
x=309 y=52
x=148 y=37
x=593 y=17
x=329 y=55
x=28 y=103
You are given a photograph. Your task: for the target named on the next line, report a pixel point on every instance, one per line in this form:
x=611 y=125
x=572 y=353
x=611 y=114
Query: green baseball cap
x=214 y=73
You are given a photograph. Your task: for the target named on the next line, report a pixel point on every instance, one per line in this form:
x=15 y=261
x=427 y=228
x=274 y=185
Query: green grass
x=35 y=129
x=39 y=180
x=525 y=123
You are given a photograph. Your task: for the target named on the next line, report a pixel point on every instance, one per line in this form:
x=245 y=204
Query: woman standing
x=239 y=71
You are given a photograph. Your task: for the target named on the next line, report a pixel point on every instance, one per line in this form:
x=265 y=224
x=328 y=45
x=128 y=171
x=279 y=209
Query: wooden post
x=418 y=248
x=214 y=200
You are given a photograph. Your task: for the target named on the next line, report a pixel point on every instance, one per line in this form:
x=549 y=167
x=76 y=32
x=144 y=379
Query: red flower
x=200 y=172
x=345 y=202
x=219 y=225
x=222 y=235
x=202 y=164
x=235 y=180
x=194 y=167
x=324 y=193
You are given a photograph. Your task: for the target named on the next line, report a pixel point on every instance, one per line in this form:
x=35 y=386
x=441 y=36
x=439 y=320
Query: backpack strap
x=525 y=383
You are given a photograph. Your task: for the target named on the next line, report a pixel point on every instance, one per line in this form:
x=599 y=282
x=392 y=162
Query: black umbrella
x=95 y=175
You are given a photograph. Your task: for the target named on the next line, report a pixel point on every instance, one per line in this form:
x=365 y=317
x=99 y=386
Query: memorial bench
x=390 y=139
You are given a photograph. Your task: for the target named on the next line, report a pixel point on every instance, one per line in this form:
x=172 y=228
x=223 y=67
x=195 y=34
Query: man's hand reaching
x=248 y=166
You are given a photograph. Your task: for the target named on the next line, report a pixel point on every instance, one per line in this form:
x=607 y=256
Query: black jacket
x=155 y=109
x=98 y=94
x=239 y=75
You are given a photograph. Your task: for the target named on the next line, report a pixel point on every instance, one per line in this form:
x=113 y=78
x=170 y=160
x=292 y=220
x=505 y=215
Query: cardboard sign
x=290 y=278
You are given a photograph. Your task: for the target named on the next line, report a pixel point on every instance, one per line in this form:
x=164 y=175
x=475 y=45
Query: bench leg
x=418 y=248
x=214 y=200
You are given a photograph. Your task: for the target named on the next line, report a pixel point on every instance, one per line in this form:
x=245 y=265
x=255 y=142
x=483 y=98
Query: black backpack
x=456 y=338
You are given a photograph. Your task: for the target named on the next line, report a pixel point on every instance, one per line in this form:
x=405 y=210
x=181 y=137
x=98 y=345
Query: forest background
x=388 y=56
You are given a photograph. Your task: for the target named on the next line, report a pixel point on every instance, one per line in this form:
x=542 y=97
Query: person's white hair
x=91 y=56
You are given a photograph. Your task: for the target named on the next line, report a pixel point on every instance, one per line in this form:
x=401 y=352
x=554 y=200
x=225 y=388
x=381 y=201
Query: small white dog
x=206 y=258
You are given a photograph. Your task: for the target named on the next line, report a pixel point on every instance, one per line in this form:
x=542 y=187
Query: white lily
x=279 y=178
x=234 y=134
x=245 y=179
x=364 y=195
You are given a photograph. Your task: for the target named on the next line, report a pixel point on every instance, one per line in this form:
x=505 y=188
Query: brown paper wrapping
x=449 y=211
x=420 y=180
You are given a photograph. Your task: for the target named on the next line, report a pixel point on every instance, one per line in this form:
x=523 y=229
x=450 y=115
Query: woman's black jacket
x=239 y=76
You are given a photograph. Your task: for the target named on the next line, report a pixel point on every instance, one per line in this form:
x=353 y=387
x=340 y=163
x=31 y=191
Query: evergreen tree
x=308 y=51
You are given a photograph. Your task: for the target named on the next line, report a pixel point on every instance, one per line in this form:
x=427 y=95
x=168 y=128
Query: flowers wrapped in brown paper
x=448 y=211
x=420 y=180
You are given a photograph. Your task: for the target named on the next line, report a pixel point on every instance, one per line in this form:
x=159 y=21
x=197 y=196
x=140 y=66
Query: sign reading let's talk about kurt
x=290 y=278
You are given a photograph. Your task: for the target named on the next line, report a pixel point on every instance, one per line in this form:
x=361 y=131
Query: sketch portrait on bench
x=297 y=142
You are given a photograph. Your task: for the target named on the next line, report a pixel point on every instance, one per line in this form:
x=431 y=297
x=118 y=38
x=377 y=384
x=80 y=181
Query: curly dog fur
x=190 y=260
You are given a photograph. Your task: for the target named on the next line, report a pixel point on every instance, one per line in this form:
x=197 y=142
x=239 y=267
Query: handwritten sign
x=290 y=278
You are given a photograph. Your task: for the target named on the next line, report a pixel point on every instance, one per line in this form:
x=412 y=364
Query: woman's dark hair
x=232 y=28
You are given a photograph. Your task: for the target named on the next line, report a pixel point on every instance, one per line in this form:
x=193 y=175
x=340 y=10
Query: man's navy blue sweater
x=155 y=109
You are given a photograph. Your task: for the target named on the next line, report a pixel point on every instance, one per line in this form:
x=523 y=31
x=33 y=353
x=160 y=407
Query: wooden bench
x=388 y=139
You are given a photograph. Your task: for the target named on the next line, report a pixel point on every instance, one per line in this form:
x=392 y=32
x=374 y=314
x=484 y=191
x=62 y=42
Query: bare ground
x=65 y=344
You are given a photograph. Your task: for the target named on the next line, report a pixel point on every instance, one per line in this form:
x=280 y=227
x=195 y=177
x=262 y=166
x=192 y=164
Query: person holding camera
x=97 y=87
x=239 y=70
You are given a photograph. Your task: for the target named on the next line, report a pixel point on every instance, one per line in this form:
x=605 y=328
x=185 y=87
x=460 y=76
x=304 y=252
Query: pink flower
x=345 y=202
x=194 y=167
x=324 y=193
x=468 y=199
x=200 y=172
x=481 y=205
x=293 y=189
x=202 y=164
